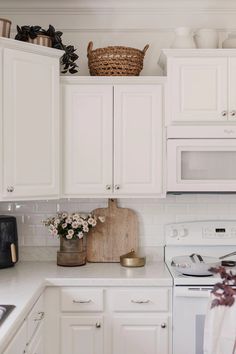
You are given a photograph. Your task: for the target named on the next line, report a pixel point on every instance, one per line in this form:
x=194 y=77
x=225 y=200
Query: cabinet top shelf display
x=193 y=53
x=219 y=52
x=113 y=80
x=30 y=48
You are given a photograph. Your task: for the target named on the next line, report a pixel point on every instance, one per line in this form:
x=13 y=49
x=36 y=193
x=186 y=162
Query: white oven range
x=213 y=238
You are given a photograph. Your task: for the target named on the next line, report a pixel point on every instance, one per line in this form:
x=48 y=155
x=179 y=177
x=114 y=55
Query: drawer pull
x=140 y=301
x=98 y=325
x=41 y=316
x=82 y=301
x=163 y=325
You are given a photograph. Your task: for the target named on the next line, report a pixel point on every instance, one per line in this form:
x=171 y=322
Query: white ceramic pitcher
x=183 y=38
x=206 y=38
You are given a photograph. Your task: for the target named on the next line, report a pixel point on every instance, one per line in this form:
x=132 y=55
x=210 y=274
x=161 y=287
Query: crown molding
x=59 y=7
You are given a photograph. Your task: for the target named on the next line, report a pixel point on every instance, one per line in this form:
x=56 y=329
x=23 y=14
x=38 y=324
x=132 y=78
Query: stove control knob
x=183 y=232
x=173 y=233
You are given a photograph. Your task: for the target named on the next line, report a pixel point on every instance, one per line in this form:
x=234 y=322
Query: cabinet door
x=36 y=345
x=232 y=89
x=87 y=139
x=18 y=343
x=198 y=89
x=138 y=140
x=82 y=335
x=140 y=335
x=30 y=125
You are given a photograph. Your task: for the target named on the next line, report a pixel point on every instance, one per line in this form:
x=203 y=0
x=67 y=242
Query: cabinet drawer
x=140 y=300
x=80 y=300
x=35 y=317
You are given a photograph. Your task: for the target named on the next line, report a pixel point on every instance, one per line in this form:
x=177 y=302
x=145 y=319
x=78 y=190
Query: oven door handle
x=192 y=292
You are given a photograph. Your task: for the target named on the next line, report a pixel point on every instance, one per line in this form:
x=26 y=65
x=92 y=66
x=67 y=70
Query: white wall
x=122 y=22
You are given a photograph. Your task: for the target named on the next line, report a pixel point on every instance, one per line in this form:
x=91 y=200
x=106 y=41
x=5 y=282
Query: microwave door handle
x=13 y=252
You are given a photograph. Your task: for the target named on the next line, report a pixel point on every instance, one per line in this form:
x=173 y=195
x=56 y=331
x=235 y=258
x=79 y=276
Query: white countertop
x=23 y=284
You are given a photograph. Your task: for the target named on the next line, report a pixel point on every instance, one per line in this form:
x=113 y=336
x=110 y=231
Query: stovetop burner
x=5 y=310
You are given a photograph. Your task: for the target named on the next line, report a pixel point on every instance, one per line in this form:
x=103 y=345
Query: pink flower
x=71 y=232
x=80 y=234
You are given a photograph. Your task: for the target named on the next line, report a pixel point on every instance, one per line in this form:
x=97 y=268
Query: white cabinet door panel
x=30 y=125
x=36 y=346
x=81 y=335
x=138 y=139
x=18 y=343
x=232 y=90
x=198 y=89
x=87 y=116
x=140 y=335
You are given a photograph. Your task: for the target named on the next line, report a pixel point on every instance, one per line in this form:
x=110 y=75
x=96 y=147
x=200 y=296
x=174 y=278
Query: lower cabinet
x=109 y=320
x=29 y=339
x=18 y=343
x=82 y=334
x=140 y=334
x=36 y=346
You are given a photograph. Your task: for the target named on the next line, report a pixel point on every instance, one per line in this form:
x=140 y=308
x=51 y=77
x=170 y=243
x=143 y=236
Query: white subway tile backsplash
x=153 y=214
x=6 y=207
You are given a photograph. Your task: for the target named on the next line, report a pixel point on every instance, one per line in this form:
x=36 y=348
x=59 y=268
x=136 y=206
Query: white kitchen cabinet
x=138 y=140
x=30 y=336
x=108 y=320
x=87 y=139
x=36 y=345
x=140 y=320
x=201 y=86
x=140 y=334
x=82 y=334
x=113 y=140
x=18 y=343
x=30 y=121
x=35 y=318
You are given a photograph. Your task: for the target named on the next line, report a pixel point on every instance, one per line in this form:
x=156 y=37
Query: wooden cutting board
x=116 y=236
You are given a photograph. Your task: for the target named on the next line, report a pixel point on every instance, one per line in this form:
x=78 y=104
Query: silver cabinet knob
x=163 y=325
x=223 y=113
x=10 y=189
x=117 y=187
x=108 y=187
x=98 y=325
x=41 y=316
x=233 y=114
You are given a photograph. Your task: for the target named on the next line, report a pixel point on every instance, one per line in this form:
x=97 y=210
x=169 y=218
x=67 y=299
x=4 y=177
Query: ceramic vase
x=5 y=27
x=183 y=38
x=230 y=42
x=206 y=38
x=41 y=39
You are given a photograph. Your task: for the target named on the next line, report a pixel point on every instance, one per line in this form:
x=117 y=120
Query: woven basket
x=115 y=61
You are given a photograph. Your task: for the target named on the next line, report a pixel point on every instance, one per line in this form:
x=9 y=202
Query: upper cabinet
x=30 y=120
x=113 y=139
x=87 y=139
x=200 y=86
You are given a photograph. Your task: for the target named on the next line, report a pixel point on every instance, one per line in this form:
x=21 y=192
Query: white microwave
x=201 y=165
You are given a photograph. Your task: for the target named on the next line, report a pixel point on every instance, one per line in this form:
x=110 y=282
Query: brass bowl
x=131 y=259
